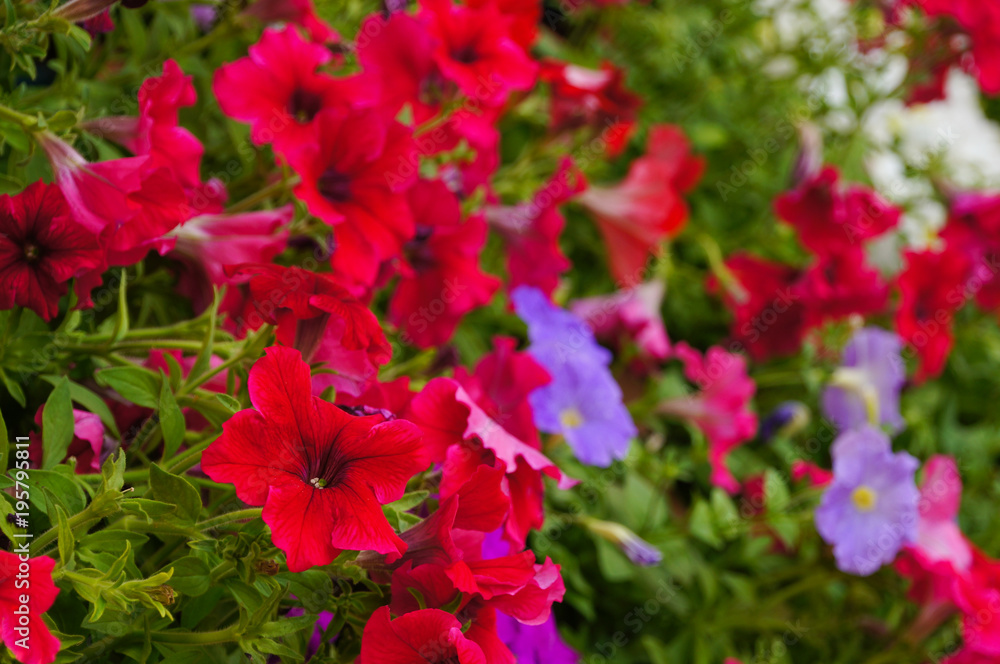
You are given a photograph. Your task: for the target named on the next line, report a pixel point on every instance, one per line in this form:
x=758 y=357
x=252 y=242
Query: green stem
x=196 y=638
x=189 y=457
x=262 y=195
x=52 y=533
x=26 y=121
x=238 y=515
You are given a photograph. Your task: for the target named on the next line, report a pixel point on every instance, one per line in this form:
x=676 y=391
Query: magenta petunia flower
x=870 y=510
x=321 y=474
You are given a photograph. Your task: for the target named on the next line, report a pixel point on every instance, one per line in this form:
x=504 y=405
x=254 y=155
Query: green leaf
x=121 y=320
x=727 y=517
x=191 y=576
x=174 y=489
x=171 y=419
x=90 y=401
x=66 y=539
x=138 y=385
x=58 y=489
x=775 y=491
x=204 y=360
x=57 y=425
x=15 y=390
x=701 y=525
x=229 y=402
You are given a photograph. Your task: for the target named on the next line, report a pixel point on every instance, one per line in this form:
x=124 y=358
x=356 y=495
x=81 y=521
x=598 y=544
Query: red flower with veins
x=428 y=636
x=769 y=315
x=832 y=219
x=646 y=208
x=320 y=473
x=839 y=285
x=43 y=645
x=441 y=281
x=932 y=289
x=474 y=48
x=531 y=231
x=278 y=90
x=41 y=248
x=354 y=177
x=594 y=98
x=321 y=319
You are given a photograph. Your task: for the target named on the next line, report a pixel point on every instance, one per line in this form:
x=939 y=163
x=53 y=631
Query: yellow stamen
x=570 y=418
x=864 y=498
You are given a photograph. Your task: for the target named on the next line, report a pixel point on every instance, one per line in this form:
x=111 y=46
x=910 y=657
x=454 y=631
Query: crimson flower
x=474 y=48
x=645 y=209
x=318 y=317
x=429 y=636
x=41 y=248
x=721 y=409
x=593 y=98
x=831 y=218
x=354 y=177
x=839 y=285
x=297 y=12
x=25 y=633
x=278 y=90
x=441 y=281
x=932 y=289
x=521 y=16
x=531 y=231
x=769 y=315
x=320 y=473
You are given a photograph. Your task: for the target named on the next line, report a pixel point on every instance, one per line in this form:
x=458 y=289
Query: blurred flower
x=870 y=510
x=534 y=644
x=278 y=90
x=320 y=473
x=592 y=98
x=839 y=285
x=831 y=218
x=441 y=280
x=638 y=550
x=26 y=634
x=721 y=410
x=354 y=177
x=813 y=474
x=87 y=445
x=42 y=247
x=865 y=389
x=474 y=48
x=75 y=11
x=932 y=289
x=583 y=402
x=769 y=317
x=318 y=317
x=297 y=12
x=646 y=208
x=531 y=231
x=629 y=314
x=787 y=419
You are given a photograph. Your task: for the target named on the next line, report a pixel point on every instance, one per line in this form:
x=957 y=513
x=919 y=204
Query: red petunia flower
x=397 y=53
x=839 y=285
x=531 y=231
x=428 y=636
x=130 y=203
x=41 y=248
x=769 y=315
x=500 y=385
x=320 y=473
x=321 y=319
x=721 y=409
x=593 y=98
x=474 y=48
x=646 y=208
x=441 y=281
x=26 y=634
x=521 y=16
x=354 y=178
x=278 y=90
x=831 y=218
x=932 y=289
x=973 y=229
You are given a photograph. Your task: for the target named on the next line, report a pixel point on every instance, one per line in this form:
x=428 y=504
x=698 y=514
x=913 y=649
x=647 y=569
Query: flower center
x=303 y=105
x=334 y=186
x=318 y=482
x=32 y=252
x=570 y=418
x=864 y=498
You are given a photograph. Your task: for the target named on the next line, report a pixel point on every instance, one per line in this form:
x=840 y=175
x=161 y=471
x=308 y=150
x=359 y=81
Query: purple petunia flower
x=582 y=402
x=866 y=387
x=535 y=644
x=870 y=510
